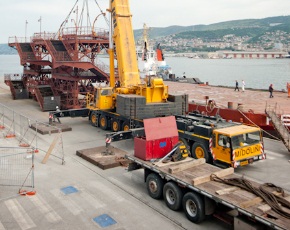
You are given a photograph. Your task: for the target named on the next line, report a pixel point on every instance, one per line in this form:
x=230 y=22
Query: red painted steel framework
x=67 y=61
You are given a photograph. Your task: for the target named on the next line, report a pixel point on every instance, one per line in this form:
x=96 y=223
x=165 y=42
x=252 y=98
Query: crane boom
x=123 y=37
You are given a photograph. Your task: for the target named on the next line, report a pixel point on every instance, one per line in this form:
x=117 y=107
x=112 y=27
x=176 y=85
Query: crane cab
x=102 y=98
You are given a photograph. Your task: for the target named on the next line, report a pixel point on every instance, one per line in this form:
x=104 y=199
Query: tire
x=193 y=206
x=115 y=125
x=183 y=141
x=172 y=196
x=154 y=185
x=94 y=119
x=199 y=151
x=126 y=126
x=103 y=122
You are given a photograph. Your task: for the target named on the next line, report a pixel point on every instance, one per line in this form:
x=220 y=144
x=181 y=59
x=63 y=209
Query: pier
x=256 y=55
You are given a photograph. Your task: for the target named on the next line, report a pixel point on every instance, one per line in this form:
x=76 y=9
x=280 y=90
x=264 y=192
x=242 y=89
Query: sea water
x=257 y=73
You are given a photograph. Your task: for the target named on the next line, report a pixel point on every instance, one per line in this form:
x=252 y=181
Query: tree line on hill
x=254 y=28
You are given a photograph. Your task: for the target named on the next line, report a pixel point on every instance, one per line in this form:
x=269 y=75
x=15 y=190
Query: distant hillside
x=243 y=27
x=5 y=49
x=253 y=28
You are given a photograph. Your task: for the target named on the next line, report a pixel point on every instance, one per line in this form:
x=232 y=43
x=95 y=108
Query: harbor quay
x=78 y=194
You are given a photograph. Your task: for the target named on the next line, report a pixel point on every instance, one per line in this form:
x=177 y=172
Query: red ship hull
x=259 y=119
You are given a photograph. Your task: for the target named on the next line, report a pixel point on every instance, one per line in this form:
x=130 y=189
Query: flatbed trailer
x=188 y=184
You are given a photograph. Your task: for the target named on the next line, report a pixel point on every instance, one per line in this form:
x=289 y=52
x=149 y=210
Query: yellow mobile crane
x=124 y=106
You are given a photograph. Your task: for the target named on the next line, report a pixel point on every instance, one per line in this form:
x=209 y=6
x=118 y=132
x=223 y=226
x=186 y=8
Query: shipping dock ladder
x=281 y=124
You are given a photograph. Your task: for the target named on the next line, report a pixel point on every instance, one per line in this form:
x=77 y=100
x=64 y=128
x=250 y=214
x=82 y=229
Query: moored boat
x=235 y=115
x=151 y=61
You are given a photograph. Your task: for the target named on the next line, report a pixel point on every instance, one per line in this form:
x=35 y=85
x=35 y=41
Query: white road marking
x=67 y=202
x=106 y=190
x=1 y=226
x=269 y=158
x=19 y=214
x=96 y=203
x=45 y=208
x=273 y=154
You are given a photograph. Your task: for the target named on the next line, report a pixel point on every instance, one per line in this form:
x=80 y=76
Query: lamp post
x=93 y=32
x=76 y=26
x=39 y=20
x=26 y=22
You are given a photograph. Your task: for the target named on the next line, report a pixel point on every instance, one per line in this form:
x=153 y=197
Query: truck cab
x=237 y=145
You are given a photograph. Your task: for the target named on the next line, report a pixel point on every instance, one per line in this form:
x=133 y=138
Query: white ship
x=151 y=61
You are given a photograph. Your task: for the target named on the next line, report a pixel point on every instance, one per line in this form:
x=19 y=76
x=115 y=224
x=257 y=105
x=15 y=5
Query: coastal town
x=274 y=44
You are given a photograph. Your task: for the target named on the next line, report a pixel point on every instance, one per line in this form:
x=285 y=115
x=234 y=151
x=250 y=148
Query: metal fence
x=19 y=140
x=16 y=125
x=17 y=167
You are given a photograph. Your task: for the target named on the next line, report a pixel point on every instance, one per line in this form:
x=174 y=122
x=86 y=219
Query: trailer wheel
x=154 y=185
x=194 y=207
x=126 y=126
x=199 y=151
x=103 y=122
x=94 y=119
x=172 y=195
x=115 y=125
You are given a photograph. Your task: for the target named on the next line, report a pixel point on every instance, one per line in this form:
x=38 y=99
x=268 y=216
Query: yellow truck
x=220 y=142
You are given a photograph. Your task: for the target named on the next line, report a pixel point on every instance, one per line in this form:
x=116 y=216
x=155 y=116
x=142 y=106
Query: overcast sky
x=155 y=13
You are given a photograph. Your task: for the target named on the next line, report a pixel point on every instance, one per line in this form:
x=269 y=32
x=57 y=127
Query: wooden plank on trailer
x=227 y=190
x=187 y=165
x=163 y=164
x=250 y=203
x=264 y=208
x=221 y=173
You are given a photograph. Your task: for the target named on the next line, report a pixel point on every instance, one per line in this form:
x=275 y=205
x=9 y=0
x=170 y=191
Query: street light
x=26 y=22
x=93 y=32
x=39 y=20
x=72 y=20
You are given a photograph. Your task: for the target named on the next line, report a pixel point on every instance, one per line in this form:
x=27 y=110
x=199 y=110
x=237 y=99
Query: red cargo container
x=161 y=135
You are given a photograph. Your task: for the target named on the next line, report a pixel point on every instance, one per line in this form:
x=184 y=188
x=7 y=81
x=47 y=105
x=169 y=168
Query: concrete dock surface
x=78 y=194
x=106 y=199
x=255 y=100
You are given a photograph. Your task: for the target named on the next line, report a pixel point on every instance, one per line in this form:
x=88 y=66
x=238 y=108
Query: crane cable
x=106 y=19
x=263 y=191
x=66 y=19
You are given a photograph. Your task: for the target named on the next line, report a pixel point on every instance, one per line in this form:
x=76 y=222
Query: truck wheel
x=194 y=207
x=199 y=151
x=115 y=125
x=154 y=186
x=172 y=195
x=183 y=141
x=126 y=126
x=103 y=122
x=94 y=119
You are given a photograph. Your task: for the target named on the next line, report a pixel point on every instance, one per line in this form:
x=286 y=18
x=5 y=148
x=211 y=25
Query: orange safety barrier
x=11 y=135
x=27 y=193
x=24 y=145
x=288 y=87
